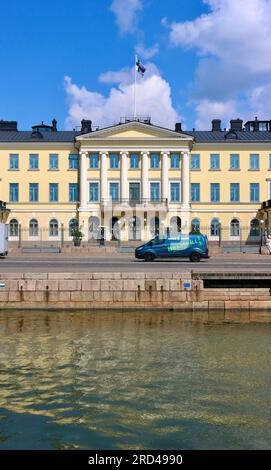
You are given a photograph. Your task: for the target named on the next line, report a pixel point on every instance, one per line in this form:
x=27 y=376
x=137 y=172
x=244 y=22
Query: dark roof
x=199 y=136
x=29 y=136
x=229 y=136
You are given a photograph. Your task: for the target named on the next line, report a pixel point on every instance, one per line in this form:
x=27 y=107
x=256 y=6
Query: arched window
x=13 y=228
x=175 y=225
x=115 y=228
x=235 y=228
x=154 y=226
x=134 y=228
x=73 y=225
x=215 y=228
x=53 y=228
x=33 y=228
x=94 y=228
x=254 y=228
x=195 y=225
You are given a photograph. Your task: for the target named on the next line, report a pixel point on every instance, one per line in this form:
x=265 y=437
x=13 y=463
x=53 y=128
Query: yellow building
x=133 y=180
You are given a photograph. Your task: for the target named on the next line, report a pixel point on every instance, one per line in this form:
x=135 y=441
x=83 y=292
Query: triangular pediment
x=133 y=131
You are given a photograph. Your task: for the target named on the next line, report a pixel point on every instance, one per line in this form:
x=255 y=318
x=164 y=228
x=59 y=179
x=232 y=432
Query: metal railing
x=134 y=202
x=238 y=240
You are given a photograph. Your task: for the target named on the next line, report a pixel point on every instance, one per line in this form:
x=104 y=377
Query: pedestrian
x=268 y=244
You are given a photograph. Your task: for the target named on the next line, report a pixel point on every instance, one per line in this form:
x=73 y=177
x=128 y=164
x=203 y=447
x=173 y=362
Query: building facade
x=134 y=180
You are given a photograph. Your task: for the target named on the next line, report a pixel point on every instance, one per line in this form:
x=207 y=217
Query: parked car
x=189 y=246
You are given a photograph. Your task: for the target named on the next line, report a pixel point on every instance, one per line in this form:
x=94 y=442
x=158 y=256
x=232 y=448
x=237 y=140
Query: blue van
x=189 y=246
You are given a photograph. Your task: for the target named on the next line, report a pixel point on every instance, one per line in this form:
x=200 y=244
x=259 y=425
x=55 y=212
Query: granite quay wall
x=168 y=291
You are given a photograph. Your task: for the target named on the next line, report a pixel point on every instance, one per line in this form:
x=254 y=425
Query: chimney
x=178 y=127
x=256 y=124
x=54 y=123
x=86 y=126
x=216 y=125
x=236 y=125
x=8 y=125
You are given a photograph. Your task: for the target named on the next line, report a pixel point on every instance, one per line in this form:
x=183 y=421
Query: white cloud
x=237 y=32
x=233 y=45
x=126 y=12
x=208 y=110
x=153 y=99
x=260 y=104
x=147 y=52
x=122 y=76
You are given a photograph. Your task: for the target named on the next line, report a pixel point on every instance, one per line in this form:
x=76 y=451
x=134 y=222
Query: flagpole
x=135 y=87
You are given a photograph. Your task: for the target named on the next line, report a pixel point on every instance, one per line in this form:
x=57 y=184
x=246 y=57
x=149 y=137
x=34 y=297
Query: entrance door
x=134 y=192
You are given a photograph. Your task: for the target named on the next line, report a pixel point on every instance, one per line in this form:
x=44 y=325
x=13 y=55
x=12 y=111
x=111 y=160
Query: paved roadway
x=127 y=263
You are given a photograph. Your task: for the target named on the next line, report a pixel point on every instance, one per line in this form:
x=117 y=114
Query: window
x=114 y=161
x=254 y=192
x=175 y=226
x=14 y=161
x=33 y=228
x=33 y=192
x=114 y=191
x=235 y=228
x=234 y=161
x=53 y=228
x=33 y=161
x=215 y=192
x=73 y=225
x=195 y=192
x=53 y=192
x=94 y=160
x=175 y=192
x=174 y=161
x=73 y=192
x=155 y=161
x=263 y=126
x=134 y=161
x=195 y=225
x=53 y=161
x=195 y=161
x=14 y=192
x=235 y=192
x=254 y=228
x=93 y=192
x=73 y=161
x=157 y=241
x=214 y=161
x=215 y=228
x=155 y=191
x=13 y=228
x=254 y=161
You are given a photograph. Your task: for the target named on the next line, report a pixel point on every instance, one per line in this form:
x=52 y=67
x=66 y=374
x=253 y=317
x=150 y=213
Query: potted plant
x=77 y=236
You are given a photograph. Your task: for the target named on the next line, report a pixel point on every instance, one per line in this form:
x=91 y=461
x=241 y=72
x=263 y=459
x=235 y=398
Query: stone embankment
x=169 y=291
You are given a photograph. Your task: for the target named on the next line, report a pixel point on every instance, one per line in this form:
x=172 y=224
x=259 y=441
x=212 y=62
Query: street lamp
x=261 y=240
x=20 y=235
x=219 y=234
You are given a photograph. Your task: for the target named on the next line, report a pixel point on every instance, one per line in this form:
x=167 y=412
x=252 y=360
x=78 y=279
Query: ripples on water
x=128 y=381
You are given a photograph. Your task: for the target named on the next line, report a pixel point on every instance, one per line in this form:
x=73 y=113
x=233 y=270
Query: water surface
x=134 y=381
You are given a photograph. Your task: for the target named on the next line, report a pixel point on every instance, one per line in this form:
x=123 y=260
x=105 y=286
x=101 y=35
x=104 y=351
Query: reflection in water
x=157 y=380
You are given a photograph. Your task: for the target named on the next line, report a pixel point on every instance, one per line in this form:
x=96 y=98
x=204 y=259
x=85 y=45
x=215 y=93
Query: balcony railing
x=134 y=202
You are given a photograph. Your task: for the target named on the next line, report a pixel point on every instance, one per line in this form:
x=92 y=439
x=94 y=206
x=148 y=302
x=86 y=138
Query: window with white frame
x=94 y=191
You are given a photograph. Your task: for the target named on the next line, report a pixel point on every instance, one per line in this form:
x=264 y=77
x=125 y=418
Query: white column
x=145 y=176
x=124 y=176
x=83 y=179
x=103 y=179
x=165 y=174
x=185 y=181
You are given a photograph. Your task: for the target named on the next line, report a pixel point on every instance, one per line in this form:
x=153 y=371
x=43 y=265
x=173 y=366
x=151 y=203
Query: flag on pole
x=140 y=67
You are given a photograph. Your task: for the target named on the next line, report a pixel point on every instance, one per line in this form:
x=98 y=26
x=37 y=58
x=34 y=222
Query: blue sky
x=201 y=63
